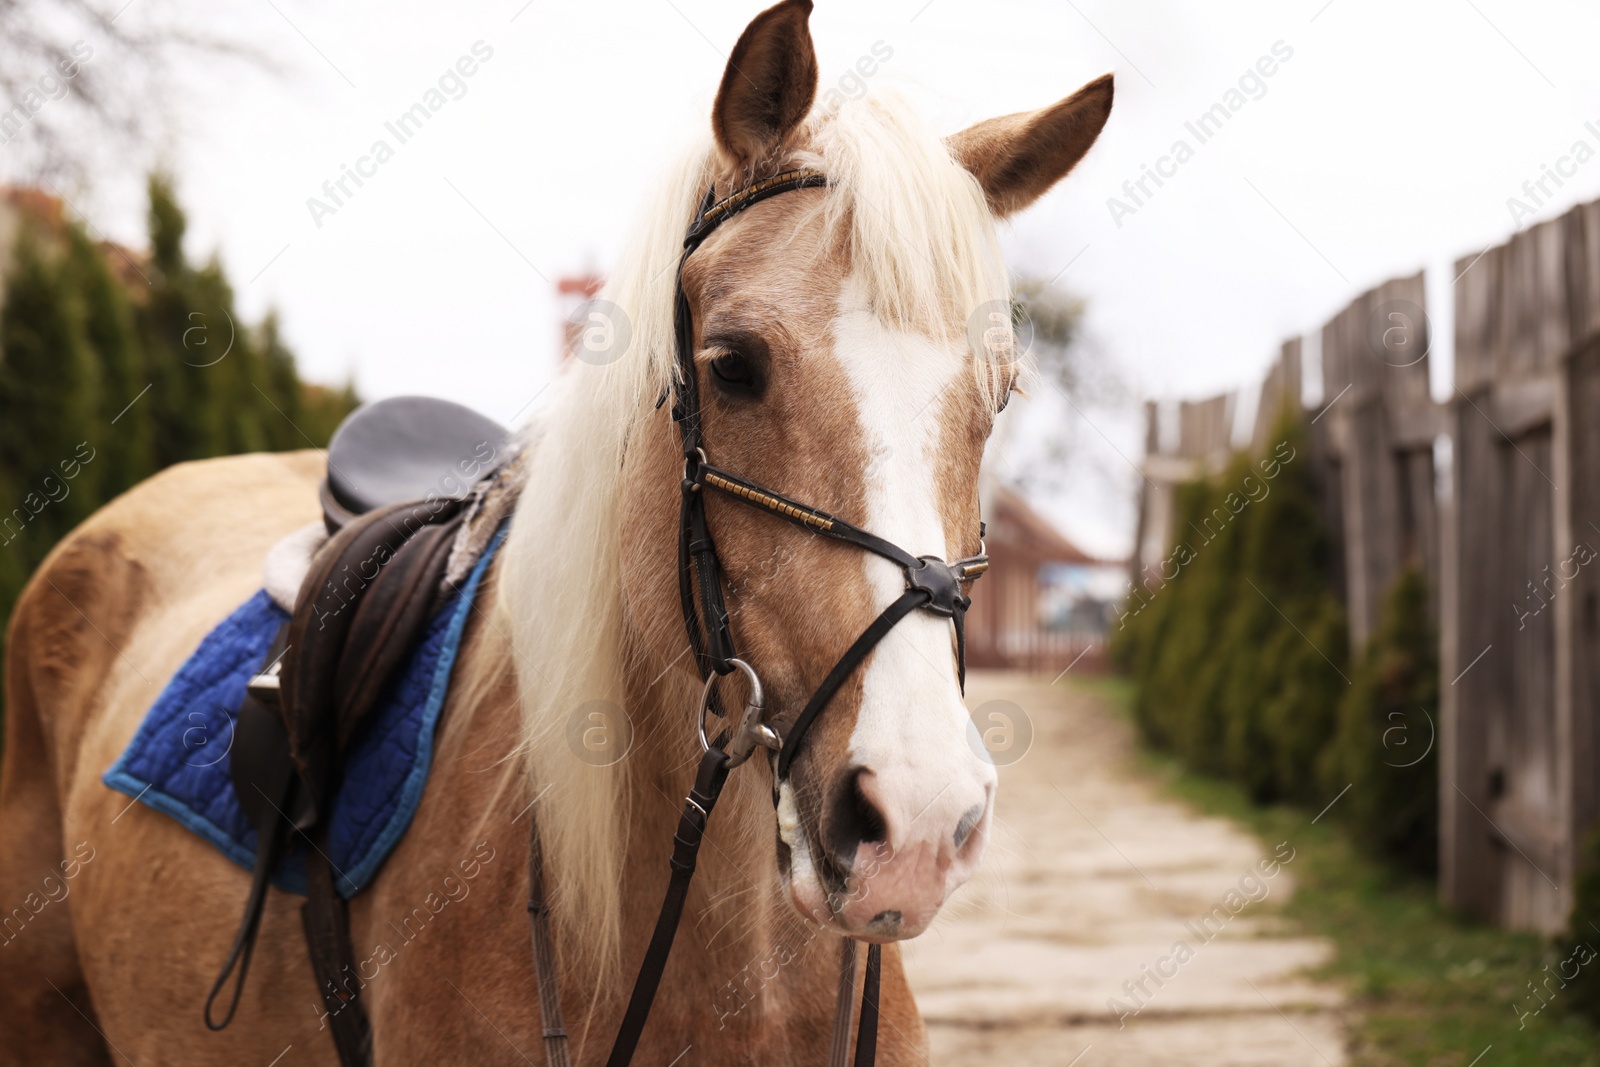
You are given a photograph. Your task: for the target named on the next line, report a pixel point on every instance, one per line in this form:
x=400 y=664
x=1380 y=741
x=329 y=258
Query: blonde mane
x=921 y=239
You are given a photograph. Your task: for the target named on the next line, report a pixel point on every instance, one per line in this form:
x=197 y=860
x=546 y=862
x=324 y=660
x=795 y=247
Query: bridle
x=931 y=584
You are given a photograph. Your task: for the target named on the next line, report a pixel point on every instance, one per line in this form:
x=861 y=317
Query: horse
x=834 y=353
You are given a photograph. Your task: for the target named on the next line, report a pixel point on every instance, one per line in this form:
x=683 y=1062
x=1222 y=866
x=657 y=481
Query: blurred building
x=1045 y=604
x=572 y=292
x=21 y=204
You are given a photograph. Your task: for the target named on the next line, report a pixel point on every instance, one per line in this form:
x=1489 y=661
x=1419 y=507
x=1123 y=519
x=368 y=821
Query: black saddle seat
x=406 y=448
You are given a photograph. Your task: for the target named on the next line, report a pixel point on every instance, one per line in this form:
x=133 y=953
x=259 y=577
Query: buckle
x=265 y=686
x=692 y=462
x=972 y=567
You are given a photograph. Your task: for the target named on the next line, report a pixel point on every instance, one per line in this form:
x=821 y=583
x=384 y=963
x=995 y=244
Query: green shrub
x=1178 y=703
x=1238 y=655
x=1582 y=928
x=1295 y=638
x=102 y=381
x=1385 y=748
x=1301 y=713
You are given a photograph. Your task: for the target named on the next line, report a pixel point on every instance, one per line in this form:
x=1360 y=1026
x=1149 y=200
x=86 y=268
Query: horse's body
x=832 y=347
x=136 y=942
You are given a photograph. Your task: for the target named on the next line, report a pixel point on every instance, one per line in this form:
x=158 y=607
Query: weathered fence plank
x=1510 y=545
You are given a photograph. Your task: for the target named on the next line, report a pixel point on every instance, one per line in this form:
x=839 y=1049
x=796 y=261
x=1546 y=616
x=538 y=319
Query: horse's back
x=104 y=623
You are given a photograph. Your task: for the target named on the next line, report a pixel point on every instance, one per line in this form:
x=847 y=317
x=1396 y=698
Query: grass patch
x=1427 y=988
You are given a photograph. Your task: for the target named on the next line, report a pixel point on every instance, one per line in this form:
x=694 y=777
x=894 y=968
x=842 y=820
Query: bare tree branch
x=89 y=81
x=1071 y=378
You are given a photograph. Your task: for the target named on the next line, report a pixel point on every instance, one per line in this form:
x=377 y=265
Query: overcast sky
x=1387 y=138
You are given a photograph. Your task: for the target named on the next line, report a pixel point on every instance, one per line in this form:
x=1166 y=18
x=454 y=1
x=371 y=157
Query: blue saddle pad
x=177 y=762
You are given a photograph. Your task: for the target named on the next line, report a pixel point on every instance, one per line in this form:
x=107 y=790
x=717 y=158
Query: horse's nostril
x=968 y=822
x=855 y=819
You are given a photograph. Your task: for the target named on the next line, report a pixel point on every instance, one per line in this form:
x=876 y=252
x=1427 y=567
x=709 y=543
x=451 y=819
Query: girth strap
x=325 y=917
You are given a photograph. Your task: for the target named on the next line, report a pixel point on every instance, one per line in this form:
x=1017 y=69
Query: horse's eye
x=733 y=371
x=1005 y=398
x=740 y=364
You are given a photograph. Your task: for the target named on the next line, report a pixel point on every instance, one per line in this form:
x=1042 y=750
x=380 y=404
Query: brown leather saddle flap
x=368 y=595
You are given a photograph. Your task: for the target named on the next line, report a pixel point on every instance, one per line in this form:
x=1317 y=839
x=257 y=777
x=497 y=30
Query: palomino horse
x=834 y=364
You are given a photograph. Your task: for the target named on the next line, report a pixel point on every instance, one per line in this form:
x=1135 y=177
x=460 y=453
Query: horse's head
x=834 y=361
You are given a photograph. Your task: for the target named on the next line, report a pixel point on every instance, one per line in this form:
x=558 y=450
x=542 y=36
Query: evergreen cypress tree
x=1288 y=647
x=126 y=456
x=1177 y=702
x=50 y=434
x=1223 y=680
x=77 y=347
x=281 y=393
x=1386 y=747
x=171 y=323
x=219 y=346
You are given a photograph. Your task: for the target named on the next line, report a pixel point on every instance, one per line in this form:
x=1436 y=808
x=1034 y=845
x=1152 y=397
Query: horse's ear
x=769 y=85
x=1017 y=158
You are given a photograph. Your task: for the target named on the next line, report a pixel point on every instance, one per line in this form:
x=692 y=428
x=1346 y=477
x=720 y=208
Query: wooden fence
x=1506 y=529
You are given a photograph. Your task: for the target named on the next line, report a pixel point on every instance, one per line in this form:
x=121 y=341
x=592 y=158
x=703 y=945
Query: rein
x=931 y=585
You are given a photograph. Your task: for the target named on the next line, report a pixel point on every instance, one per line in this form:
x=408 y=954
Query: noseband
x=931 y=584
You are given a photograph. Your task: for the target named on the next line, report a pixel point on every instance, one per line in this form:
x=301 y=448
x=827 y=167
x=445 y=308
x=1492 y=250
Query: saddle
x=399 y=473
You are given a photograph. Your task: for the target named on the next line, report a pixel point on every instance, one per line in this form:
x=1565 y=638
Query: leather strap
x=326 y=918
x=268 y=850
x=554 y=1028
x=810 y=518
x=264 y=779
x=852 y=658
x=387 y=620
x=709 y=780
x=368 y=595
x=715 y=650
x=867 y=1034
x=843 y=1006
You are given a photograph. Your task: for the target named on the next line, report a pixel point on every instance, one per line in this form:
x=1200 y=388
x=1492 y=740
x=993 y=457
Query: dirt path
x=1094 y=880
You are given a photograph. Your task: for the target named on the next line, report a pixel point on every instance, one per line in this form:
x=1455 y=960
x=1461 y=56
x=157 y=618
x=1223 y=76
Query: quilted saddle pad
x=177 y=762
